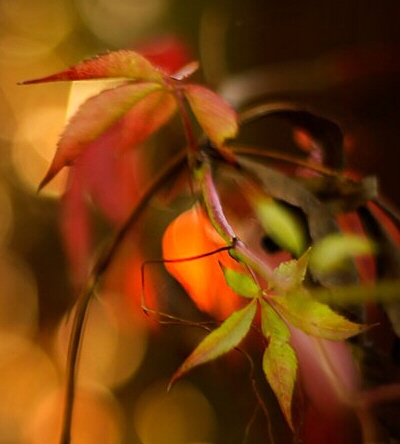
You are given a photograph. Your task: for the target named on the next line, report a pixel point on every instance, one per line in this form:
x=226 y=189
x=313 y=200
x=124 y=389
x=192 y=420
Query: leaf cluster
x=238 y=285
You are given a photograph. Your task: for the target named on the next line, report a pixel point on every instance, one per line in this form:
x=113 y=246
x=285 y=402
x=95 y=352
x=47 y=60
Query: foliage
x=207 y=248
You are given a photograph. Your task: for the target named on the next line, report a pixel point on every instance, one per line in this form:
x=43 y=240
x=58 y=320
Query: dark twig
x=101 y=265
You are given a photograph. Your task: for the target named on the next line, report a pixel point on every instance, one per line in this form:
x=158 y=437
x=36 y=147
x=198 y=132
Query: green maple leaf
x=242 y=284
x=334 y=251
x=220 y=341
x=290 y=274
x=279 y=223
x=313 y=317
x=279 y=359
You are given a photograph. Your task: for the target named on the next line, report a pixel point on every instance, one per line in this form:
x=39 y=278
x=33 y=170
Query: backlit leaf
x=117 y=64
x=137 y=109
x=216 y=117
x=279 y=360
x=241 y=283
x=290 y=274
x=280 y=368
x=313 y=317
x=192 y=235
x=279 y=223
x=272 y=325
x=333 y=252
x=220 y=341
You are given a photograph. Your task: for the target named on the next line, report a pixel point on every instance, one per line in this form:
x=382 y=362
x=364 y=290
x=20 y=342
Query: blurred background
x=340 y=58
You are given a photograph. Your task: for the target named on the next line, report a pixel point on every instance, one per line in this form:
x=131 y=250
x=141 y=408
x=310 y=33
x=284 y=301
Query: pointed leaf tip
x=279 y=360
x=315 y=318
x=280 y=369
x=116 y=64
x=242 y=284
x=220 y=341
x=216 y=117
x=126 y=109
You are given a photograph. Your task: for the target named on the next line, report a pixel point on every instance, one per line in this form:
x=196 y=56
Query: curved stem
x=217 y=217
x=101 y=265
x=268 y=154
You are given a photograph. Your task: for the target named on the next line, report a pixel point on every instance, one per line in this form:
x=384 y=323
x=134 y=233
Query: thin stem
x=217 y=217
x=100 y=267
x=269 y=154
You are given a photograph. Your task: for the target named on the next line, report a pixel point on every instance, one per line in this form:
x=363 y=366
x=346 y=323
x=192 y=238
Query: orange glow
x=26 y=375
x=110 y=354
x=181 y=416
x=97 y=419
x=191 y=234
x=34 y=146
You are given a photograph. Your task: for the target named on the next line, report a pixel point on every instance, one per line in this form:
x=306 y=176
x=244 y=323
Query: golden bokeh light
x=110 y=355
x=20 y=59
x=119 y=22
x=39 y=19
x=181 y=416
x=34 y=145
x=97 y=418
x=26 y=376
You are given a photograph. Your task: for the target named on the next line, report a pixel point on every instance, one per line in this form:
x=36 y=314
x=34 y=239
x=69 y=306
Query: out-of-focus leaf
x=323 y=133
x=286 y=189
x=241 y=283
x=290 y=274
x=320 y=220
x=220 y=341
x=144 y=107
x=116 y=64
x=313 y=317
x=110 y=182
x=169 y=53
x=334 y=251
x=192 y=235
x=216 y=117
x=186 y=71
x=342 y=195
x=279 y=360
x=279 y=223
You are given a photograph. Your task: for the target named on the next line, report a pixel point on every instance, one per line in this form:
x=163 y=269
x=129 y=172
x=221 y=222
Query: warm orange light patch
x=191 y=234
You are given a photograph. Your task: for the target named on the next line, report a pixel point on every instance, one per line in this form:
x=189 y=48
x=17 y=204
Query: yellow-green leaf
x=279 y=360
x=242 y=284
x=220 y=341
x=216 y=117
x=313 y=317
x=272 y=325
x=334 y=251
x=290 y=274
x=280 y=368
x=280 y=224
